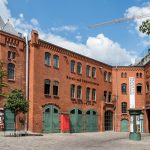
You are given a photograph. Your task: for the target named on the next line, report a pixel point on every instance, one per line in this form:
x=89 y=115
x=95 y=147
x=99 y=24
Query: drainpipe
x=116 y=98
x=27 y=76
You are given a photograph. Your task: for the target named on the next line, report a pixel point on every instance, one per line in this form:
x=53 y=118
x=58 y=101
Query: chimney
x=34 y=37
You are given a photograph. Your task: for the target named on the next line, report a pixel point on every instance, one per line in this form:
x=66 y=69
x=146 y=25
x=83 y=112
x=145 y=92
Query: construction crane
x=118 y=20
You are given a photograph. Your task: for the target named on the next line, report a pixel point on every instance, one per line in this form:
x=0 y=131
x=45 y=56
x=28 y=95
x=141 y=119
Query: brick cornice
x=11 y=41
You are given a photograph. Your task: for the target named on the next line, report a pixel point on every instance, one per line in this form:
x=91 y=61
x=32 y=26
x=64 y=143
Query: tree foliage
x=145 y=27
x=16 y=102
x=2 y=76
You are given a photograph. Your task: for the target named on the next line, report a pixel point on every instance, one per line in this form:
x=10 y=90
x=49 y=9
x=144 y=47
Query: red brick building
x=12 y=53
x=69 y=92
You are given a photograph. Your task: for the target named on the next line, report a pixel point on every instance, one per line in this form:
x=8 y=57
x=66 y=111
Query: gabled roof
x=10 y=29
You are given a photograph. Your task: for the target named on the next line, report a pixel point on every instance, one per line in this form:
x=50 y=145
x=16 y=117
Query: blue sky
x=65 y=23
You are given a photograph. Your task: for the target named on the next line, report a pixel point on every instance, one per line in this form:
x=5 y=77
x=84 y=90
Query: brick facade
x=107 y=82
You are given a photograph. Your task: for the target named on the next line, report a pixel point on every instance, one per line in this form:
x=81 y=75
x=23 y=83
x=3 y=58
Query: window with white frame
x=79 y=68
x=55 y=88
x=72 y=91
x=47 y=58
x=72 y=66
x=79 y=92
x=94 y=94
x=93 y=72
x=56 y=61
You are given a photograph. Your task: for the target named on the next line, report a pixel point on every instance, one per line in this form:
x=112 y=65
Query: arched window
x=109 y=77
x=72 y=91
x=124 y=107
x=105 y=96
x=47 y=87
x=121 y=74
x=93 y=72
x=88 y=71
x=79 y=92
x=125 y=75
x=11 y=71
x=105 y=76
x=72 y=66
x=137 y=74
x=139 y=88
x=88 y=94
x=56 y=61
x=124 y=88
x=109 y=97
x=79 y=68
x=94 y=94
x=55 y=88
x=140 y=75
x=47 y=58
x=147 y=87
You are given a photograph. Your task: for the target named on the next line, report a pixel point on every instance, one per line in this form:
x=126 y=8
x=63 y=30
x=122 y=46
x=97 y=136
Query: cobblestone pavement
x=78 y=141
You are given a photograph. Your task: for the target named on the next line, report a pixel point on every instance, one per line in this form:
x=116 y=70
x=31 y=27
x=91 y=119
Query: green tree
x=2 y=76
x=145 y=27
x=16 y=102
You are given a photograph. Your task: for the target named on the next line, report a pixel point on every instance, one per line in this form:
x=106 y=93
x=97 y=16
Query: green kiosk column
x=135 y=124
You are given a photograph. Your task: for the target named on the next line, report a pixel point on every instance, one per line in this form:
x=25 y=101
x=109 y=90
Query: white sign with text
x=132 y=91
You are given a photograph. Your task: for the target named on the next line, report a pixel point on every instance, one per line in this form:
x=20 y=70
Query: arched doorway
x=51 y=118
x=91 y=121
x=124 y=125
x=108 y=120
x=76 y=120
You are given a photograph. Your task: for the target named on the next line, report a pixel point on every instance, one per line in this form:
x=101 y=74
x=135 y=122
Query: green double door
x=76 y=120
x=91 y=121
x=124 y=125
x=51 y=119
x=9 y=120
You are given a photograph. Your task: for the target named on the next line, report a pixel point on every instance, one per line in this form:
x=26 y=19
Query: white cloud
x=34 y=21
x=139 y=11
x=21 y=15
x=68 y=28
x=78 y=37
x=100 y=47
x=4 y=11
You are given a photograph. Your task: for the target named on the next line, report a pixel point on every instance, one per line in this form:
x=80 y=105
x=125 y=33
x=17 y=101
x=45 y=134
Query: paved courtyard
x=80 y=141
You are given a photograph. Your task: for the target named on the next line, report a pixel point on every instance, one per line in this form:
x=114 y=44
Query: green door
x=51 y=119
x=91 y=121
x=76 y=120
x=9 y=120
x=124 y=125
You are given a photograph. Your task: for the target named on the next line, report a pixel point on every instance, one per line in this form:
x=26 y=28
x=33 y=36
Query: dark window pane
x=55 y=111
x=72 y=111
x=47 y=87
x=47 y=110
x=13 y=55
x=79 y=112
x=11 y=71
x=139 y=88
x=124 y=107
x=9 y=55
